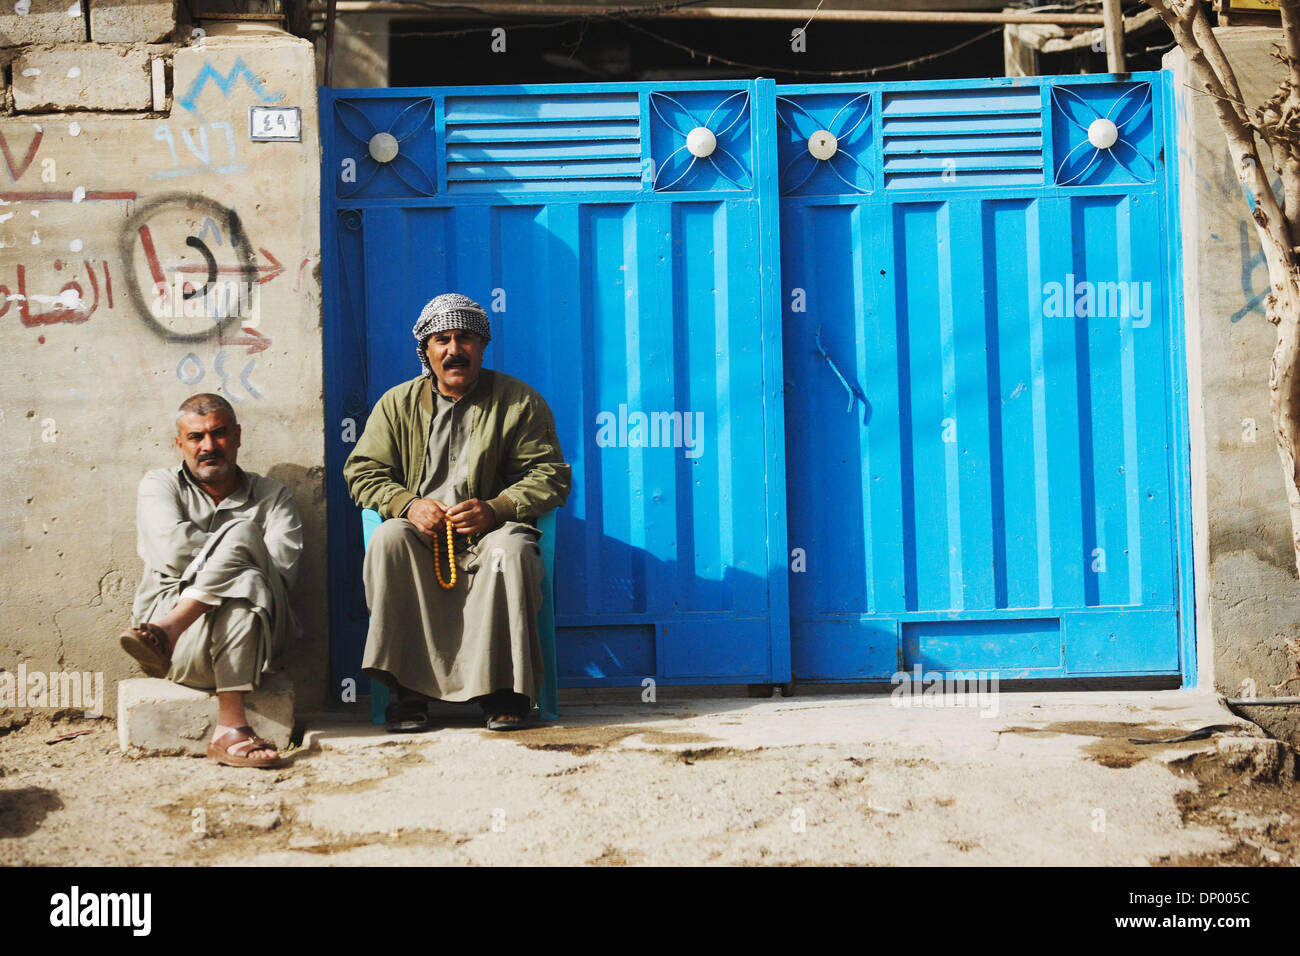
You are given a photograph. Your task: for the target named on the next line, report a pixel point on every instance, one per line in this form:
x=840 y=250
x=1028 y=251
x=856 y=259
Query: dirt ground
x=673 y=790
x=1260 y=816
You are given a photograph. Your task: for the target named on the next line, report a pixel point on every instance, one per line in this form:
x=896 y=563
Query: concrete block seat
x=157 y=716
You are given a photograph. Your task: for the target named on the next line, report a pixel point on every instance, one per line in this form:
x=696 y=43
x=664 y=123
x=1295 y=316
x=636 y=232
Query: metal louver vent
x=534 y=144
x=963 y=138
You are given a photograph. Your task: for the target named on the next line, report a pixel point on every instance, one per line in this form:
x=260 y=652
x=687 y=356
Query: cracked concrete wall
x=1247 y=594
x=94 y=208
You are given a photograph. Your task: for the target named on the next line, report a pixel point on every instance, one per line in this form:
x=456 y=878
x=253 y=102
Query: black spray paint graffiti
x=164 y=226
x=170 y=267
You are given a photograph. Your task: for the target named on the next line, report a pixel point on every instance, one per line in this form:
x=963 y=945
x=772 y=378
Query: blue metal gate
x=983 y=379
x=631 y=278
x=975 y=426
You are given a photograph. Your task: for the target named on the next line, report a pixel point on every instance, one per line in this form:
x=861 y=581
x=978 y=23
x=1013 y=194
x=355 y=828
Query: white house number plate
x=271 y=123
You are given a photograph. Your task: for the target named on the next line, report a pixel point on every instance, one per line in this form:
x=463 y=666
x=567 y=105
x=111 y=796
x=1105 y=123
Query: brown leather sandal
x=148 y=645
x=223 y=749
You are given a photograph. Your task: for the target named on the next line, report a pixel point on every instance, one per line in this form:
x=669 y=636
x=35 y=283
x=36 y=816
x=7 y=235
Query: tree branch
x=1270 y=220
x=1290 y=10
x=1283 y=136
x=1203 y=33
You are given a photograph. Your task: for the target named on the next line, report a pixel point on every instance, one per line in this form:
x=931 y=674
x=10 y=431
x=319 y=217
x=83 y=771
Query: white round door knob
x=1102 y=133
x=823 y=144
x=701 y=142
x=383 y=147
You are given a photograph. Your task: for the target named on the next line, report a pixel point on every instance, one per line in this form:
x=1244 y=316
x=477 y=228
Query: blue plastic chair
x=550 y=702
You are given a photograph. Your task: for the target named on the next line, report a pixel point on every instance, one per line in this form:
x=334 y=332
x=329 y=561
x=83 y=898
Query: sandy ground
x=1052 y=779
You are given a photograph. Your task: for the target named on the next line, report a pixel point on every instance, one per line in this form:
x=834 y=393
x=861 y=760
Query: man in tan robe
x=221 y=548
x=477 y=449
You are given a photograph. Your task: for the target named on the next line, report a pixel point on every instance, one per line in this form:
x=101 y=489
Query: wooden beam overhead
x=955 y=17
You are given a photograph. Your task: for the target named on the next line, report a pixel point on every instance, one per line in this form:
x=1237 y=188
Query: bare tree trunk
x=1284 y=396
x=1278 y=124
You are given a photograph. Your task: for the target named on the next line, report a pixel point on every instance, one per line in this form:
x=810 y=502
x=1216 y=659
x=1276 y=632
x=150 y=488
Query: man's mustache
x=455 y=361
x=212 y=457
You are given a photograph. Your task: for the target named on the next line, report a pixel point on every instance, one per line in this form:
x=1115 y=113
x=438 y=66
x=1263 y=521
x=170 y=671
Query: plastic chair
x=550 y=700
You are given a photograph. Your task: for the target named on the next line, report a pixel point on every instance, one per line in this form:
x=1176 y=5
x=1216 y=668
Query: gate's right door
x=981 y=363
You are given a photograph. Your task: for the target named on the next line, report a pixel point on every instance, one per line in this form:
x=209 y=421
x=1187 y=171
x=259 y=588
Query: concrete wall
x=1248 y=598
x=92 y=204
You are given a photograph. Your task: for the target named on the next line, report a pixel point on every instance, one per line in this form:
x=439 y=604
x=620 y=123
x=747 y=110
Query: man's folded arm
x=545 y=479
x=283 y=536
x=166 y=538
x=373 y=469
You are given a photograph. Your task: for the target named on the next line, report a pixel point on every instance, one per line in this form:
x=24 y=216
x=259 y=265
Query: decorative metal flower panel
x=825 y=144
x=701 y=140
x=386 y=150
x=1103 y=134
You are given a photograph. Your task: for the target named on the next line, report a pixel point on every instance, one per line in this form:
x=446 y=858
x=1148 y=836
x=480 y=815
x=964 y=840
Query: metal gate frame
x=347 y=392
x=927 y=189
x=683 y=638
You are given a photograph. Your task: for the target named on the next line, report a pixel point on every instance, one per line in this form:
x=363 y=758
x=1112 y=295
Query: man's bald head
x=205 y=403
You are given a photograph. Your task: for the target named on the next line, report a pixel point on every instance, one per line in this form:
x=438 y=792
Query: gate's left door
x=621 y=237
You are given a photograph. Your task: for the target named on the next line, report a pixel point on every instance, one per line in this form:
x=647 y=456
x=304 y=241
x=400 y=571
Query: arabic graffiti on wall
x=202 y=148
x=191 y=371
x=17 y=169
x=182 y=264
x=225 y=82
x=69 y=305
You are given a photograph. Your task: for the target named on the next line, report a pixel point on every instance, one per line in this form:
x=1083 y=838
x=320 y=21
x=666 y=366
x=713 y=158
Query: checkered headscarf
x=451 y=310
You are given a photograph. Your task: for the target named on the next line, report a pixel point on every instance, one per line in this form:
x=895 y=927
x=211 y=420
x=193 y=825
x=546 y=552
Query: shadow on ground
x=23 y=811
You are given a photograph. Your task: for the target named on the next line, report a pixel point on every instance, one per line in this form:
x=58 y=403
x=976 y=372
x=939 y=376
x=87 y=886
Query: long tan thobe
x=481 y=636
x=240 y=556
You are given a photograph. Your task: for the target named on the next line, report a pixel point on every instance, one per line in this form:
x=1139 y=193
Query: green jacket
x=515 y=459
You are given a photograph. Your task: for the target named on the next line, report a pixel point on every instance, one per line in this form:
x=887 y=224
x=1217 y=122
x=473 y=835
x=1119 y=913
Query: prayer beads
x=451 y=559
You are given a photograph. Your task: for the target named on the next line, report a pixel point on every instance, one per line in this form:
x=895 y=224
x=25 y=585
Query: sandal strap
x=146 y=634
x=152 y=635
x=261 y=742
x=239 y=749
x=245 y=735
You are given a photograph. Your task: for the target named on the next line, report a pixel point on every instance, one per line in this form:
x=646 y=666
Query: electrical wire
x=869 y=71
x=804 y=28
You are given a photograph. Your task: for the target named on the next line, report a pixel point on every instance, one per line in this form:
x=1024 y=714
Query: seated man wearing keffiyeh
x=473 y=450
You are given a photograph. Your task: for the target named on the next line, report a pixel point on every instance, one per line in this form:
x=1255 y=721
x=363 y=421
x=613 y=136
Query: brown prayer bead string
x=451 y=559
